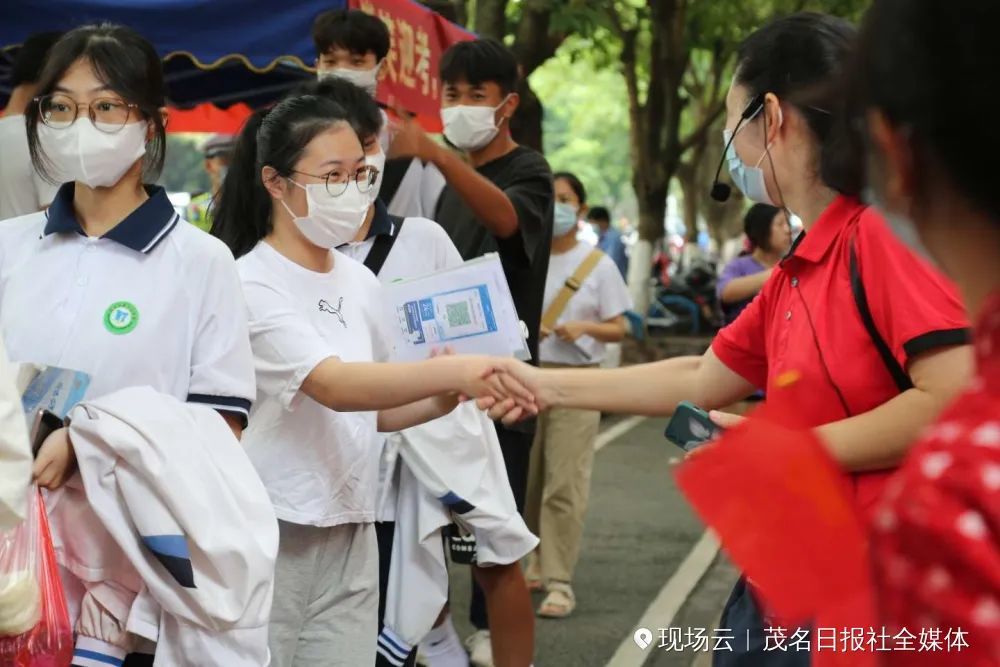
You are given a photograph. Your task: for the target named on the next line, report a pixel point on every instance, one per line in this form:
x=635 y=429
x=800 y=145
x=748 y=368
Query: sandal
x=533 y=574
x=559 y=603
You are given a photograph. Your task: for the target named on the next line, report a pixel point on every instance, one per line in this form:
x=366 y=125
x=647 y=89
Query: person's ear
x=582 y=213
x=510 y=105
x=893 y=174
x=275 y=185
x=164 y=118
x=773 y=116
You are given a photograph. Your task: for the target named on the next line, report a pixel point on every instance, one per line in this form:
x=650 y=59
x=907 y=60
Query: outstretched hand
x=409 y=139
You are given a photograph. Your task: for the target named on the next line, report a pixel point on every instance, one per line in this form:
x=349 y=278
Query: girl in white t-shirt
x=562 y=455
x=298 y=186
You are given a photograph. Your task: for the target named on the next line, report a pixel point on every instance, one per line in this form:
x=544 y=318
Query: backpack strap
x=382 y=245
x=898 y=373
x=569 y=288
x=392 y=177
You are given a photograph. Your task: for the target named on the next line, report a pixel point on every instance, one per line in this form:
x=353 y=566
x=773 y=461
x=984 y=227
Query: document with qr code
x=468 y=308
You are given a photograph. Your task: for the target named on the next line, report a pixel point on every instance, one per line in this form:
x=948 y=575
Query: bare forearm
x=880 y=438
x=486 y=201
x=413 y=414
x=648 y=389
x=353 y=387
x=741 y=289
x=606 y=332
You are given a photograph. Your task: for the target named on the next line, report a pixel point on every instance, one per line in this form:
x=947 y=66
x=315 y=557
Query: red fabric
x=788 y=520
x=937 y=532
x=409 y=74
x=773 y=335
x=208 y=118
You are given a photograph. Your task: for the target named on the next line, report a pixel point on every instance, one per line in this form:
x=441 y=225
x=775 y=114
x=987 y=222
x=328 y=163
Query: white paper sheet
x=468 y=308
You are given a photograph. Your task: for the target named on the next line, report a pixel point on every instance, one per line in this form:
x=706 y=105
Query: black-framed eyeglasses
x=337 y=180
x=108 y=114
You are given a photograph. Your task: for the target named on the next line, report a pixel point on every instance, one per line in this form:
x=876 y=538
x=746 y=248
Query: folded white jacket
x=174 y=512
x=450 y=469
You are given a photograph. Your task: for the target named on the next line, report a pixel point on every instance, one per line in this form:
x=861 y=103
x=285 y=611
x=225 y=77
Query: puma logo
x=325 y=307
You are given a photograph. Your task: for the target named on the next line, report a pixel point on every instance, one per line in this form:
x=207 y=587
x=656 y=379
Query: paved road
x=639 y=532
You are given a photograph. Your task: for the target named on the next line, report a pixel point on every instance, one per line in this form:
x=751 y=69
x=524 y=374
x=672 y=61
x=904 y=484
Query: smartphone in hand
x=44 y=425
x=691 y=427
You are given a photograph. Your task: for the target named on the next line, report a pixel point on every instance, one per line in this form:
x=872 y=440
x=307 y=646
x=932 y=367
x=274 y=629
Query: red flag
x=783 y=511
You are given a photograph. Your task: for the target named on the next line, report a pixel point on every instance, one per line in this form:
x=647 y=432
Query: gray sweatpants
x=325 y=609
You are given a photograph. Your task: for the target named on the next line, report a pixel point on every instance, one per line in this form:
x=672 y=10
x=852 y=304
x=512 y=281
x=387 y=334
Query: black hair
x=124 y=61
x=30 y=59
x=800 y=58
x=913 y=57
x=599 y=213
x=757 y=225
x=363 y=112
x=277 y=138
x=351 y=29
x=480 y=61
x=574 y=183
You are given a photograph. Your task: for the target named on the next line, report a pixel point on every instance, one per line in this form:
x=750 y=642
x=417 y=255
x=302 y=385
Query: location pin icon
x=643 y=638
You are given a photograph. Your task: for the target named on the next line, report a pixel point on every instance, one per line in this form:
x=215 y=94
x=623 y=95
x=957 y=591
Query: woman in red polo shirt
x=878 y=373
x=937 y=538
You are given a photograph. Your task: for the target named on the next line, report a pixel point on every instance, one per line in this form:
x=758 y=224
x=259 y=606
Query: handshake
x=507 y=389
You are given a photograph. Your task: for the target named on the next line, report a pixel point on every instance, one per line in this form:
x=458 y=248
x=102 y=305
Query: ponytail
x=241 y=212
x=275 y=138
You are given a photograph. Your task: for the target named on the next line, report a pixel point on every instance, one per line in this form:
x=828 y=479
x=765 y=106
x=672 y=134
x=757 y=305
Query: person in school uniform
x=877 y=337
x=110 y=281
x=298 y=187
x=352 y=45
x=585 y=303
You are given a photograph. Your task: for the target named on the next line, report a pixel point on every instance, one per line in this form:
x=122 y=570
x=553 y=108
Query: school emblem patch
x=121 y=317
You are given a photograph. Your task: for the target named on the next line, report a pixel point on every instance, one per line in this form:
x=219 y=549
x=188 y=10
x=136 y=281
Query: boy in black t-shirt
x=498 y=200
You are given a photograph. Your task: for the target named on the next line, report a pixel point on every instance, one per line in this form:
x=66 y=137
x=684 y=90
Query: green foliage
x=586 y=126
x=184 y=169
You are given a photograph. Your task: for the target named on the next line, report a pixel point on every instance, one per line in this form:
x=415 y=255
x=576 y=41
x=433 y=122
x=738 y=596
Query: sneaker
x=479 y=648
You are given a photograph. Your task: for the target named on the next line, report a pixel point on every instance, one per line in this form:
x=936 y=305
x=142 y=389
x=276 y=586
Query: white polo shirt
x=320 y=467
x=152 y=302
x=602 y=295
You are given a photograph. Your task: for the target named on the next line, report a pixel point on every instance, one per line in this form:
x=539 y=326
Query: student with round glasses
x=297 y=188
x=110 y=281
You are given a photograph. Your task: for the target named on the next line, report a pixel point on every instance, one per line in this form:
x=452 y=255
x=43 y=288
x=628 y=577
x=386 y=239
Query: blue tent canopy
x=217 y=51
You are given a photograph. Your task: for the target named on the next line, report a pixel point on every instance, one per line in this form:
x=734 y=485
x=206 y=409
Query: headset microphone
x=721 y=191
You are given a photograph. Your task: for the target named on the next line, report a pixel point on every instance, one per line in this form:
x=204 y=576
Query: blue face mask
x=750 y=180
x=564 y=219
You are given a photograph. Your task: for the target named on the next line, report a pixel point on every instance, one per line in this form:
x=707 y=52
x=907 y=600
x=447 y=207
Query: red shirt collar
x=813 y=246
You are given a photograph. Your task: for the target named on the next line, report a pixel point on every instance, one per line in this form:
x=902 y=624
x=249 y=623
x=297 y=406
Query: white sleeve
x=612 y=291
x=431 y=185
x=446 y=254
x=286 y=345
x=15 y=451
x=221 y=361
x=381 y=342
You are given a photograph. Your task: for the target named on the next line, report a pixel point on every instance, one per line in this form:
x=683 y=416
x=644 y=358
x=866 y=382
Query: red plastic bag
x=34 y=623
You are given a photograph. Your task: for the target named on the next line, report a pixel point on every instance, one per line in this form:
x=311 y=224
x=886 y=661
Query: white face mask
x=366 y=79
x=377 y=161
x=468 y=127
x=85 y=154
x=564 y=219
x=331 y=221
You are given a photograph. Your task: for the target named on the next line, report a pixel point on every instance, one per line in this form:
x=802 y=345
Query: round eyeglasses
x=108 y=114
x=338 y=180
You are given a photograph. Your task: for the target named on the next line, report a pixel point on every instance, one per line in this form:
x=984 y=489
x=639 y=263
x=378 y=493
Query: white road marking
x=668 y=602
x=616 y=431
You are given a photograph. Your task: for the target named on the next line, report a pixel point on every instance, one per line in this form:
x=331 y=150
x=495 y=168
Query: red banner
x=409 y=74
x=208 y=118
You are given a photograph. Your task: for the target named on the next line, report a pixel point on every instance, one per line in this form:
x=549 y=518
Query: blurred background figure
x=609 y=239
x=769 y=236
x=217 y=151
x=22 y=190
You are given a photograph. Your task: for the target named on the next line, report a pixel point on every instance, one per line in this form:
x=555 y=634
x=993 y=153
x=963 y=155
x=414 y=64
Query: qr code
x=458 y=314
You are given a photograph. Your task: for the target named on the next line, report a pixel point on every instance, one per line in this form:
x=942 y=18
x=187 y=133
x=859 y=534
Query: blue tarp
x=219 y=51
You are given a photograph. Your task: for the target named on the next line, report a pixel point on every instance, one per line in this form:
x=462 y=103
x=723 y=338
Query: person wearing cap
x=216 y=150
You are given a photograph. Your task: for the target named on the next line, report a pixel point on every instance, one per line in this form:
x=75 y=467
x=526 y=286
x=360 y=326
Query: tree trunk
x=491 y=18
